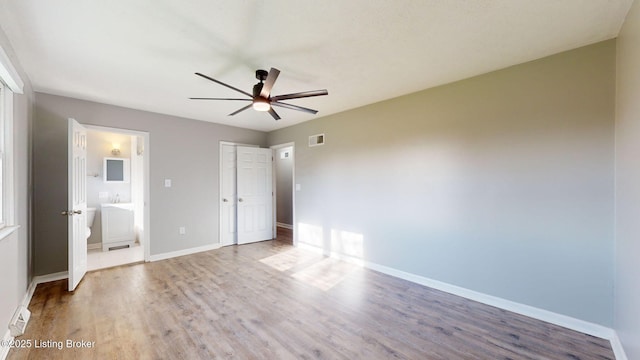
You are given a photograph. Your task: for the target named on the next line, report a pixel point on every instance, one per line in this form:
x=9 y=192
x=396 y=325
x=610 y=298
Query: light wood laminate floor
x=270 y=300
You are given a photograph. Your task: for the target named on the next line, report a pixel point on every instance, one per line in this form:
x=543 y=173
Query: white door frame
x=145 y=241
x=220 y=172
x=293 y=189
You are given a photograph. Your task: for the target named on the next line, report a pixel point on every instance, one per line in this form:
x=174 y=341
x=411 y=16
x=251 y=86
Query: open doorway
x=117 y=192
x=284 y=191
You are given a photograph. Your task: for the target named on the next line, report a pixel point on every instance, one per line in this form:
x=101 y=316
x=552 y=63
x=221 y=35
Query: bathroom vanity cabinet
x=117 y=226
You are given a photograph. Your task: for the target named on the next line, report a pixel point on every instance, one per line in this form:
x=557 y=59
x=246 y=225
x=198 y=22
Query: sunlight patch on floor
x=345 y=248
x=326 y=274
x=288 y=259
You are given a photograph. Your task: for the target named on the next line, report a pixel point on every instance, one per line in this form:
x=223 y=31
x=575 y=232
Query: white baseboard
x=26 y=300
x=522 y=309
x=4 y=349
x=184 y=252
x=41 y=280
x=618 y=350
x=283 y=225
x=94 y=246
x=50 y=277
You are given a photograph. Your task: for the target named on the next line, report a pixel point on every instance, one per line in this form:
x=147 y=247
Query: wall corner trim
x=184 y=252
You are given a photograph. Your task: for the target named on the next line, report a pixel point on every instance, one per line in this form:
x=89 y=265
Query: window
x=2 y=162
x=10 y=83
x=6 y=156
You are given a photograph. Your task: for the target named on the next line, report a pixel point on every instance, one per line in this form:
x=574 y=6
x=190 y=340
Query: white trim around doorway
x=146 y=234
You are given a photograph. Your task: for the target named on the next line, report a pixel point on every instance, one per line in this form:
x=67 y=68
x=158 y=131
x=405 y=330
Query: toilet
x=91 y=215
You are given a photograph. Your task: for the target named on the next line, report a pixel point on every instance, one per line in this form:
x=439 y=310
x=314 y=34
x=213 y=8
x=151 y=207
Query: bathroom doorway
x=117 y=194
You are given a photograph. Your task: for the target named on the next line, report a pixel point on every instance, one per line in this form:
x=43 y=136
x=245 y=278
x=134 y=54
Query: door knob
x=224 y=200
x=64 y=213
x=77 y=212
x=240 y=200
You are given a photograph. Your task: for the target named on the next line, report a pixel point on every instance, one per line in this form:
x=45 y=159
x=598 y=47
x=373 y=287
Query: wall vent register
x=316 y=140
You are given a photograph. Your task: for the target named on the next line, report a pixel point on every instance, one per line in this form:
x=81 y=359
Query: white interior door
x=228 y=195
x=255 y=194
x=77 y=205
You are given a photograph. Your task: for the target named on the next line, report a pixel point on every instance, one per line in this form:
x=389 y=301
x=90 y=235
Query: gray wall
x=183 y=150
x=502 y=183
x=627 y=281
x=284 y=172
x=15 y=250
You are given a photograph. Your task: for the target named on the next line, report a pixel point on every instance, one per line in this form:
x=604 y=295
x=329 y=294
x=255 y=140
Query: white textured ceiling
x=142 y=53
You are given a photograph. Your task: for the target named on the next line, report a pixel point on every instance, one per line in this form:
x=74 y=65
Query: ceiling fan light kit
x=261 y=104
x=261 y=99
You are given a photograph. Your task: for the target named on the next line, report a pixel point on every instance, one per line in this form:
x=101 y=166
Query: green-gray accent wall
x=502 y=183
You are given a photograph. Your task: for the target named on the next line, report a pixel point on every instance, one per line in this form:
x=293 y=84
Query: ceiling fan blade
x=294 y=107
x=268 y=84
x=223 y=84
x=241 y=110
x=300 y=95
x=203 y=98
x=274 y=114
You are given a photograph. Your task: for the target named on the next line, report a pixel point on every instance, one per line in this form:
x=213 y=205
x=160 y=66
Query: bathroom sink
x=125 y=206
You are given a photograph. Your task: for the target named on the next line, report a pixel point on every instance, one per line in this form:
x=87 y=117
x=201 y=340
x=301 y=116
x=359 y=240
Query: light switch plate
x=298 y=187
x=167 y=182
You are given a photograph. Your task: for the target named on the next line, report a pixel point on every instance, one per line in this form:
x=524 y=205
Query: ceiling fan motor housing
x=262 y=75
x=257 y=89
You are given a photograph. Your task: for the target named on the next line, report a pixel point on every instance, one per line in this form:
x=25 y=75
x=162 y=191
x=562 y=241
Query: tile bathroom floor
x=98 y=259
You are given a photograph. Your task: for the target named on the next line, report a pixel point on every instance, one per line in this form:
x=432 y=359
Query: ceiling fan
x=261 y=100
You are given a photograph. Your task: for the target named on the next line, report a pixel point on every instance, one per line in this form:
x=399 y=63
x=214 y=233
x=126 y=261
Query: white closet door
x=255 y=194
x=228 y=196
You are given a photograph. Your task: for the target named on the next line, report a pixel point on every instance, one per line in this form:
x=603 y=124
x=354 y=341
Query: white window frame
x=11 y=83
x=7 y=216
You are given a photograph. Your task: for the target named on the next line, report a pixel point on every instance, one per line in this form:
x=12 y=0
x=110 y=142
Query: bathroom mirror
x=116 y=170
